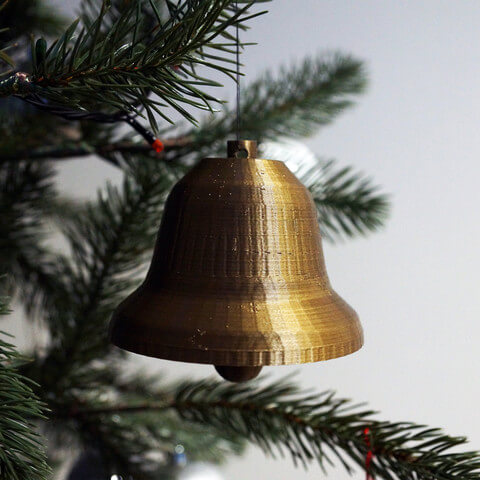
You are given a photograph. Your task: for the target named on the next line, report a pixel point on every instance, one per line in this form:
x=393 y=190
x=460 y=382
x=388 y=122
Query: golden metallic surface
x=242 y=148
x=238 y=276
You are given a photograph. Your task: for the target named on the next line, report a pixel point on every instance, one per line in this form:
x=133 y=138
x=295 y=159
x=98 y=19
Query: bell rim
x=196 y=342
x=242 y=358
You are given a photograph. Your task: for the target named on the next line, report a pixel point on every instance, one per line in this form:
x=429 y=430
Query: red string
x=157 y=145
x=369 y=457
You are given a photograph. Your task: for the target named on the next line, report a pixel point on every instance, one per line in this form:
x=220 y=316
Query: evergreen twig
x=109 y=244
x=104 y=61
x=294 y=102
x=347 y=203
x=74 y=150
x=22 y=454
x=26 y=191
x=280 y=418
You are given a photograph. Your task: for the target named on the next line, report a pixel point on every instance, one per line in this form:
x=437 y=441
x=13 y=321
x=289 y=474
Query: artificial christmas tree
x=134 y=62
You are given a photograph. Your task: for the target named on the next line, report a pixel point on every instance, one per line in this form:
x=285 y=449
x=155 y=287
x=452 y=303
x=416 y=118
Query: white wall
x=416 y=132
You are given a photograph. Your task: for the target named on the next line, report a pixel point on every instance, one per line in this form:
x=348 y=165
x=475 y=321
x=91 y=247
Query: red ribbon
x=369 y=457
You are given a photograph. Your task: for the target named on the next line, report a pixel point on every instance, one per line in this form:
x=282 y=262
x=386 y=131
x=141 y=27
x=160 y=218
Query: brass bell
x=238 y=278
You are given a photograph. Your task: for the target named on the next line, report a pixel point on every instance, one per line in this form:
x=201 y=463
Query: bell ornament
x=238 y=278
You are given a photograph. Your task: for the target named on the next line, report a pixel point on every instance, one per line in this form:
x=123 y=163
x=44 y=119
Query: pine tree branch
x=299 y=100
x=138 y=448
x=109 y=63
x=21 y=452
x=110 y=243
x=140 y=445
x=21 y=18
x=81 y=149
x=133 y=444
x=40 y=279
x=279 y=417
x=348 y=204
x=26 y=191
x=295 y=102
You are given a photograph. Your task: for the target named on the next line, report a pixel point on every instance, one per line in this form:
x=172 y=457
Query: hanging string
x=238 y=76
x=369 y=457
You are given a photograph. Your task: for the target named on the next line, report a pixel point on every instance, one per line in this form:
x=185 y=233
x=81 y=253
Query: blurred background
x=415 y=284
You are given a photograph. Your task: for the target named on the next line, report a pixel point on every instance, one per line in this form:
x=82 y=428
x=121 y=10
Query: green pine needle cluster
x=327 y=85
x=108 y=60
x=295 y=101
x=308 y=427
x=122 y=56
x=22 y=454
x=347 y=202
x=281 y=419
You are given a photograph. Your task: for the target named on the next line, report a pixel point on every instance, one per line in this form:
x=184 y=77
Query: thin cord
x=238 y=78
x=77 y=115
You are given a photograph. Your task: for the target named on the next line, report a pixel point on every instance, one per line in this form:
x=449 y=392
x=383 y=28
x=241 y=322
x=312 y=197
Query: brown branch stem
x=399 y=454
x=82 y=149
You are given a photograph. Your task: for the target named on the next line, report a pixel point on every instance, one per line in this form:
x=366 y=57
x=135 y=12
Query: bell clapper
x=237 y=374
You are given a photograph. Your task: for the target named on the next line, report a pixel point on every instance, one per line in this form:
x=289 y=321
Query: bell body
x=238 y=277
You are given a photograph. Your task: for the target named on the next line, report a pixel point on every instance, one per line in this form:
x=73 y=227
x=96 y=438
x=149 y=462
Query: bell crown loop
x=242 y=149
